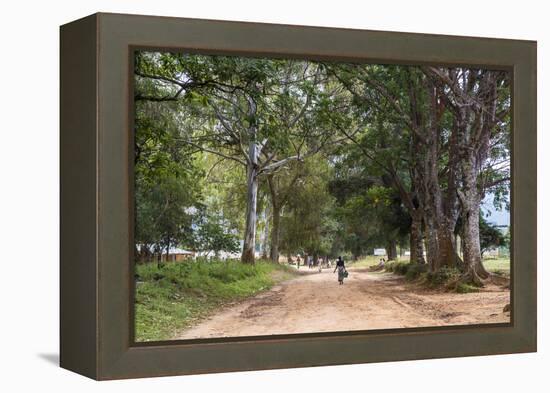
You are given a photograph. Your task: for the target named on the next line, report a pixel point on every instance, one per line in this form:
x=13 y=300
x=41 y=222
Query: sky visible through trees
x=286 y=157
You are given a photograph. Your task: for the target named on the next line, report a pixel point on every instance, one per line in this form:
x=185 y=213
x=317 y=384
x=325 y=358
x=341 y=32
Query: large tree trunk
x=440 y=207
x=416 y=241
x=472 y=249
x=470 y=203
x=432 y=245
x=391 y=250
x=474 y=102
x=432 y=213
x=447 y=223
x=447 y=248
x=275 y=231
x=249 y=245
x=266 y=240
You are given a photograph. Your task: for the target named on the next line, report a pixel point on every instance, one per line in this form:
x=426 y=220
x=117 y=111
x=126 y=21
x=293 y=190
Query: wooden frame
x=96 y=195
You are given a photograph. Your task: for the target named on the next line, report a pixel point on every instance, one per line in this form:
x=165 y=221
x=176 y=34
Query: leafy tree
x=166 y=184
x=490 y=235
x=323 y=158
x=212 y=235
x=247 y=110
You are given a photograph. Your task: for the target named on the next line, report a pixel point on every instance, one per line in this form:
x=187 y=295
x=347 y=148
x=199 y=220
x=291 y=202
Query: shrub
x=410 y=270
x=449 y=278
x=442 y=277
x=388 y=267
x=461 y=287
x=397 y=267
x=415 y=270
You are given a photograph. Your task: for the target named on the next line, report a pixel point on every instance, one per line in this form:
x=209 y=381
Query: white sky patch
x=492 y=215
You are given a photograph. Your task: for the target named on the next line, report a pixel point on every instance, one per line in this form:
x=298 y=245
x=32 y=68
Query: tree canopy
x=318 y=158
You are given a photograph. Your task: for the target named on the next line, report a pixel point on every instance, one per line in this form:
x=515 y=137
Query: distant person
x=342 y=273
x=298 y=262
x=320 y=264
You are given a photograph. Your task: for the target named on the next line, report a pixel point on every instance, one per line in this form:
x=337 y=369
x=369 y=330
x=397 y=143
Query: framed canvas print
x=242 y=196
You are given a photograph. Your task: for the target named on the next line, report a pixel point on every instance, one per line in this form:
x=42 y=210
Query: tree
x=490 y=235
x=212 y=235
x=166 y=184
x=400 y=152
x=479 y=100
x=238 y=109
x=390 y=138
x=282 y=186
x=306 y=225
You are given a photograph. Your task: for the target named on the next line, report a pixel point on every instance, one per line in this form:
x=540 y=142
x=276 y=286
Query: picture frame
x=96 y=276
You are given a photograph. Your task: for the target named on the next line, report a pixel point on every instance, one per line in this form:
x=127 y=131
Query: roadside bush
x=411 y=271
x=397 y=267
x=415 y=270
x=388 y=267
x=448 y=278
x=443 y=277
x=461 y=287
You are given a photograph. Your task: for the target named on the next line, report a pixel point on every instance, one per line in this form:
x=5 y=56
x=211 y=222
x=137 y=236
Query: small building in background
x=380 y=252
x=177 y=254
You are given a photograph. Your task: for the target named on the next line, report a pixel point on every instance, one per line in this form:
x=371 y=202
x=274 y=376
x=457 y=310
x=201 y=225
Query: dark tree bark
x=391 y=250
x=279 y=198
x=266 y=240
x=474 y=102
x=432 y=245
x=275 y=232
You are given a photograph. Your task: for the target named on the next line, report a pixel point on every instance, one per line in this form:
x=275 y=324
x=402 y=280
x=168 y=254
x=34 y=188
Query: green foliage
x=446 y=278
x=368 y=206
x=497 y=265
x=198 y=115
x=167 y=181
x=212 y=235
x=178 y=294
x=415 y=271
x=397 y=267
x=307 y=225
x=462 y=287
x=442 y=277
x=491 y=236
x=411 y=271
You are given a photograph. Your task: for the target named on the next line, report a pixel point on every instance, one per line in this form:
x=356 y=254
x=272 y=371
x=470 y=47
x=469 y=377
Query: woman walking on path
x=341 y=270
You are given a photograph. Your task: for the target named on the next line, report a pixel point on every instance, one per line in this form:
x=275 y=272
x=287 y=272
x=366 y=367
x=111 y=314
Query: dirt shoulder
x=315 y=302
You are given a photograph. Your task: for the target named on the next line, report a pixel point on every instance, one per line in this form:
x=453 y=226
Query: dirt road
x=368 y=300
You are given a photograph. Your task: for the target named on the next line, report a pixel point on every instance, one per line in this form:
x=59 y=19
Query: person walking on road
x=342 y=273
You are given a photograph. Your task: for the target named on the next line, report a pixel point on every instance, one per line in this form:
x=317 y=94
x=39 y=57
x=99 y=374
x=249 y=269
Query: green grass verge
x=176 y=295
x=446 y=278
x=371 y=260
x=497 y=265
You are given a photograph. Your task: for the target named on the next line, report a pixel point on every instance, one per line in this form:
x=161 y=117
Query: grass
x=494 y=265
x=372 y=260
x=176 y=295
x=497 y=265
x=448 y=278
